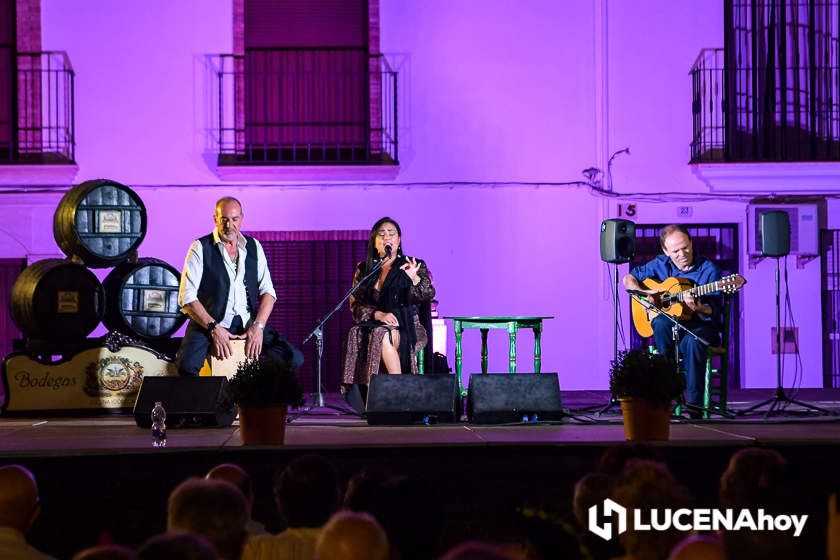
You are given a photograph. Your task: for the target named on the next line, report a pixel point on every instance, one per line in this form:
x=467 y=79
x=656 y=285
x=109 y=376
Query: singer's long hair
x=372 y=253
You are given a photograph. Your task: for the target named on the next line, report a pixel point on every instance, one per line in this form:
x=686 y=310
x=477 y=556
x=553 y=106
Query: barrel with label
x=100 y=222
x=57 y=300
x=142 y=299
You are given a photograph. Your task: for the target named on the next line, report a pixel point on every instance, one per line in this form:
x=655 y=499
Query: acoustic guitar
x=671 y=298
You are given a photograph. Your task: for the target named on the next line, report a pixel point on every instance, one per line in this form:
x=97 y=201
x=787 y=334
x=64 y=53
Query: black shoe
x=694 y=414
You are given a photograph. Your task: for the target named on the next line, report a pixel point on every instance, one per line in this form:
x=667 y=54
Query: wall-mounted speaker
x=496 y=398
x=188 y=401
x=409 y=399
x=618 y=241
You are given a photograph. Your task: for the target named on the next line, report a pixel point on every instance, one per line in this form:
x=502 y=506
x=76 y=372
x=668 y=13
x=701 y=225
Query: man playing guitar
x=679 y=261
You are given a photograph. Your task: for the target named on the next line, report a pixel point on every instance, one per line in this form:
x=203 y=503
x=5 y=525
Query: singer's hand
x=387 y=318
x=411 y=268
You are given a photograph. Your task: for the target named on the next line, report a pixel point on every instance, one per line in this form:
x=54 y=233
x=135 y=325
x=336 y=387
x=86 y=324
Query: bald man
x=351 y=535
x=237 y=476
x=227 y=293
x=19 y=507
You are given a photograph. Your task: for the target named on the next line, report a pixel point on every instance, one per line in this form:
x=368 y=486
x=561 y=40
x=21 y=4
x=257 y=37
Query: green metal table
x=484 y=324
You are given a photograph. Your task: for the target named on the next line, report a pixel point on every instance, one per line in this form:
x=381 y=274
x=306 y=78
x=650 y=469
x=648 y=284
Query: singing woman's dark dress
x=397 y=295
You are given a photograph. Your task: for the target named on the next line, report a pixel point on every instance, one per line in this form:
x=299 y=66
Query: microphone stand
x=318 y=334
x=676 y=327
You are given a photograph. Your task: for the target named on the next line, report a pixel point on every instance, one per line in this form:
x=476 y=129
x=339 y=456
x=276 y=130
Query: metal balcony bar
x=37 y=119
x=331 y=106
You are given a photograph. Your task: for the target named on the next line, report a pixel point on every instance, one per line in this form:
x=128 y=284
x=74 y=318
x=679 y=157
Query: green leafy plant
x=265 y=381
x=639 y=374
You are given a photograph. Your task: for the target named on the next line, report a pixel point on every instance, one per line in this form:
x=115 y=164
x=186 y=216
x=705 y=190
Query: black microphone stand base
x=607 y=408
x=779 y=402
x=320 y=408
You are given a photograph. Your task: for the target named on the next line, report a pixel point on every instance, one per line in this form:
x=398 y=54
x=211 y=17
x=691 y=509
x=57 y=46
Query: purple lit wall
x=491 y=91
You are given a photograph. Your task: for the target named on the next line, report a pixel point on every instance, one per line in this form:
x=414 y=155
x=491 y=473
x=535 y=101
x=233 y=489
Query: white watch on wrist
x=259 y=325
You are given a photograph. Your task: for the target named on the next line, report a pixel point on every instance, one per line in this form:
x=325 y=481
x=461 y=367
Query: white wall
x=491 y=90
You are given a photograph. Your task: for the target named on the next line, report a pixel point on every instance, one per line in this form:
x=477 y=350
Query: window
x=308 y=85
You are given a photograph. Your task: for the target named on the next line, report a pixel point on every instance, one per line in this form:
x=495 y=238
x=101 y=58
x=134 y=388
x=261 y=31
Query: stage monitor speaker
x=409 y=399
x=188 y=401
x=618 y=241
x=775 y=233
x=497 y=398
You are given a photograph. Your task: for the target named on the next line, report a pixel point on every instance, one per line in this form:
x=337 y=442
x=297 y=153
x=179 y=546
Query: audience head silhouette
x=19 y=500
x=236 y=475
x=307 y=491
x=212 y=508
x=176 y=546
x=352 y=536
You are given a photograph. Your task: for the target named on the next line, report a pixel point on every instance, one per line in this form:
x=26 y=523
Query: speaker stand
x=600 y=409
x=779 y=401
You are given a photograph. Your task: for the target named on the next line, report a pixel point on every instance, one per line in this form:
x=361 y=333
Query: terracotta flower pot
x=262 y=425
x=644 y=421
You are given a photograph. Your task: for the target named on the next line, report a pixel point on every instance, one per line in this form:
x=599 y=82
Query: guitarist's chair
x=715 y=392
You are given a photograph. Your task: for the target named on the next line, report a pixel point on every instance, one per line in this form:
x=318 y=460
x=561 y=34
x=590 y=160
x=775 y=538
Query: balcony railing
x=744 y=115
x=307 y=107
x=36 y=108
x=707 y=107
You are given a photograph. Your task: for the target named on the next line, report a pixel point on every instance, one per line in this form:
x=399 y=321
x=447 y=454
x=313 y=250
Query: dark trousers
x=196 y=344
x=692 y=352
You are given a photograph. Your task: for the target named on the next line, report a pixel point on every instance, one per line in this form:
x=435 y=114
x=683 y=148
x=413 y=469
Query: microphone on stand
x=387 y=251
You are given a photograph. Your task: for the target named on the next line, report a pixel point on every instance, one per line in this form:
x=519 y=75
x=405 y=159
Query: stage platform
x=101 y=475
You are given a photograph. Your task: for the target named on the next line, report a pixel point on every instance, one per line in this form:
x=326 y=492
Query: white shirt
x=291 y=544
x=13 y=546
x=237 y=302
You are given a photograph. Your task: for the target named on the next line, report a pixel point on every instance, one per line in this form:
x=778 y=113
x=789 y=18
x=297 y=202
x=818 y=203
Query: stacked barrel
x=98 y=224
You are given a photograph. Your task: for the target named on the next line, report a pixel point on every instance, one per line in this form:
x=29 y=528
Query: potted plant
x=645 y=384
x=264 y=388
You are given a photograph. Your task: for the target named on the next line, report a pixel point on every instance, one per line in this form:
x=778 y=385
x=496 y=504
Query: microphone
x=638 y=293
x=387 y=251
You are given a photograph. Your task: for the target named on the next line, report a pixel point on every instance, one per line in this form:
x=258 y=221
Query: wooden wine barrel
x=142 y=299
x=100 y=222
x=57 y=300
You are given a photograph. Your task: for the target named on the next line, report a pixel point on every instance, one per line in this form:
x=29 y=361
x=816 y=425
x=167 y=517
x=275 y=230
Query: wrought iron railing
x=37 y=120
x=708 y=141
x=323 y=106
x=731 y=123
x=773 y=92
